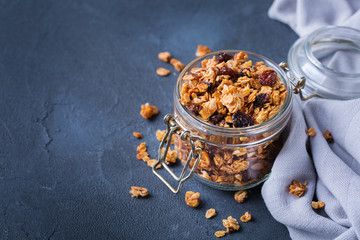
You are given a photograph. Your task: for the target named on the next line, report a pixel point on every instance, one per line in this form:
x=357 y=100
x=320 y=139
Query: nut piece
x=141 y=151
x=162 y=72
x=202 y=50
x=246 y=217
x=137 y=135
x=231 y=224
x=311 y=132
x=147 y=111
x=164 y=56
x=317 y=205
x=220 y=234
x=328 y=136
x=177 y=64
x=160 y=135
x=192 y=199
x=297 y=188
x=138 y=191
x=240 y=196
x=151 y=163
x=210 y=213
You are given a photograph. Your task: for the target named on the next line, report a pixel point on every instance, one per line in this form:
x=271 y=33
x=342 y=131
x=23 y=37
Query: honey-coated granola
x=147 y=110
x=317 y=205
x=220 y=234
x=137 y=135
x=311 y=132
x=246 y=217
x=202 y=50
x=297 y=188
x=329 y=138
x=192 y=198
x=138 y=192
x=162 y=71
x=210 y=213
x=240 y=196
x=231 y=224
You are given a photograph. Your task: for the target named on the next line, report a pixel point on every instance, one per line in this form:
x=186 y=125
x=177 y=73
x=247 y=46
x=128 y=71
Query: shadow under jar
x=222 y=157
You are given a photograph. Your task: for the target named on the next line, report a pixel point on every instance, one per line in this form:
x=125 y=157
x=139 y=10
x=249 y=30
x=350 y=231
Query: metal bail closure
x=299 y=85
x=195 y=152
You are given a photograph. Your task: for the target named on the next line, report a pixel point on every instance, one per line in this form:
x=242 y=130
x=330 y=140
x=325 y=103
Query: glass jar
x=226 y=158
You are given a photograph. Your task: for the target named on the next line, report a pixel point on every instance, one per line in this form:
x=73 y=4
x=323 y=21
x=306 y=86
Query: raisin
x=241 y=119
x=223 y=57
x=195 y=108
x=228 y=71
x=216 y=117
x=209 y=84
x=267 y=77
x=261 y=99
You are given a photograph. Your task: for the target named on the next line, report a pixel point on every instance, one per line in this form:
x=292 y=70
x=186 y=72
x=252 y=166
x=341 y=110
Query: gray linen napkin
x=332 y=170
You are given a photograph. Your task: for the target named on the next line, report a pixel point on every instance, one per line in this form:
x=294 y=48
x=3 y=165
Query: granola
x=311 y=132
x=231 y=224
x=246 y=217
x=177 y=64
x=147 y=110
x=137 y=135
x=138 y=192
x=142 y=151
x=210 y=213
x=151 y=163
x=162 y=71
x=192 y=198
x=297 y=188
x=317 y=205
x=328 y=136
x=160 y=135
x=240 y=196
x=202 y=50
x=164 y=56
x=220 y=234
x=171 y=156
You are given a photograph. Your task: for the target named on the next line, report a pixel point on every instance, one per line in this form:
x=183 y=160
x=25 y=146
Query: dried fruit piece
x=177 y=64
x=228 y=71
x=151 y=163
x=192 y=198
x=164 y=56
x=162 y=72
x=261 y=99
x=147 y=111
x=195 y=108
x=210 y=213
x=246 y=217
x=328 y=136
x=241 y=119
x=297 y=188
x=317 y=205
x=311 y=132
x=267 y=77
x=202 y=50
x=240 y=196
x=216 y=117
x=137 y=135
x=231 y=224
x=223 y=57
x=220 y=234
x=138 y=191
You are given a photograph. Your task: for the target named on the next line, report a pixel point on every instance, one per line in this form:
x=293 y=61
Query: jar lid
x=329 y=59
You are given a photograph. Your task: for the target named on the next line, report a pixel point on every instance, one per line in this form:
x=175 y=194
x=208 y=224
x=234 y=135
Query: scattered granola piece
x=328 y=136
x=171 y=156
x=141 y=151
x=317 y=205
x=142 y=155
x=147 y=111
x=202 y=50
x=151 y=163
x=297 y=188
x=246 y=217
x=138 y=191
x=192 y=199
x=210 y=213
x=160 y=134
x=311 y=132
x=231 y=224
x=220 y=234
x=162 y=72
x=164 y=56
x=137 y=135
x=240 y=196
x=177 y=64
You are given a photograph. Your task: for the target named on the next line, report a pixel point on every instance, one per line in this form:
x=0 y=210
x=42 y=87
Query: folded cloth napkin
x=332 y=170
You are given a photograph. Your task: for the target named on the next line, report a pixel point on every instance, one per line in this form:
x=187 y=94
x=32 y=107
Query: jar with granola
x=231 y=109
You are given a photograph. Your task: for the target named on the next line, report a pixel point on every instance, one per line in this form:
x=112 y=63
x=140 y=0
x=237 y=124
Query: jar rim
x=209 y=128
x=311 y=40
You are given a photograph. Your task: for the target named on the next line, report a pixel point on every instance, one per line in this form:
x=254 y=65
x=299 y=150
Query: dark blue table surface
x=73 y=77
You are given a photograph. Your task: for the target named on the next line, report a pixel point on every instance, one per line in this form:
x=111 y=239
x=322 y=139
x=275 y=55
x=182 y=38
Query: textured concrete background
x=73 y=77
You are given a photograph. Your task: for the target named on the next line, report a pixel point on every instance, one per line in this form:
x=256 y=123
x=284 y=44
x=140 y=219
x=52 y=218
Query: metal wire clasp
x=298 y=86
x=195 y=152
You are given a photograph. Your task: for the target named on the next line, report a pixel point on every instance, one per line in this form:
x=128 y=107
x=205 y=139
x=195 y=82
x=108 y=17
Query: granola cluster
x=246 y=217
x=210 y=213
x=297 y=188
x=142 y=154
x=192 y=198
x=231 y=91
x=138 y=192
x=148 y=111
x=240 y=196
x=317 y=205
